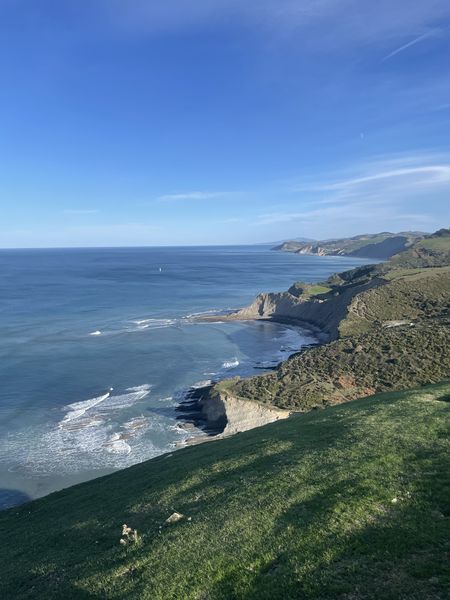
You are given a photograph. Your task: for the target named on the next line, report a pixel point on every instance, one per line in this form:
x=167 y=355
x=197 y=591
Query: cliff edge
x=386 y=327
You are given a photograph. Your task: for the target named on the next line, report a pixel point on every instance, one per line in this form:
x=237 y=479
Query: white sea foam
x=78 y=409
x=92 y=435
x=136 y=425
x=140 y=388
x=154 y=323
x=230 y=364
x=96 y=332
x=202 y=313
x=178 y=429
x=142 y=321
x=86 y=426
x=114 y=403
x=200 y=384
x=117 y=445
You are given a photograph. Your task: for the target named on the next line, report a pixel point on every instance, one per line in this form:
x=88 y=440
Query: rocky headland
x=381 y=327
x=377 y=245
x=325 y=505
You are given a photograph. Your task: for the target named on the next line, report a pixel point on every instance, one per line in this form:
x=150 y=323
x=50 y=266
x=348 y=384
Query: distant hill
x=369 y=245
x=299 y=240
x=388 y=324
x=347 y=503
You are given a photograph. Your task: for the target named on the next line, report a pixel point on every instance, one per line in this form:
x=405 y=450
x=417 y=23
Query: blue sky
x=132 y=122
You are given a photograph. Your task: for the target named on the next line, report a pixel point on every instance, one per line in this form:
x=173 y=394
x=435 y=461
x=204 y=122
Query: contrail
x=424 y=36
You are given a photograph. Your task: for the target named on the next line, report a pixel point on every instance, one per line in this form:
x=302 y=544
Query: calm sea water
x=96 y=345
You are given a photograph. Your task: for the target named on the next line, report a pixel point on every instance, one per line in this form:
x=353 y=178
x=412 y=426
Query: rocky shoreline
x=320 y=315
x=215 y=411
x=209 y=413
x=218 y=414
x=367 y=321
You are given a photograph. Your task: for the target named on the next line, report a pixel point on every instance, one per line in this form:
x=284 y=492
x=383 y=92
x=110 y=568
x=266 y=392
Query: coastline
x=96 y=445
x=320 y=315
x=293 y=321
x=210 y=414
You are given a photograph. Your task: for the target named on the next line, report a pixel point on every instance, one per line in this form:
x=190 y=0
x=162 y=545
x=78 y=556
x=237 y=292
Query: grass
x=315 y=290
x=380 y=360
x=392 y=329
x=397 y=273
x=411 y=294
x=438 y=243
x=308 y=290
x=347 y=503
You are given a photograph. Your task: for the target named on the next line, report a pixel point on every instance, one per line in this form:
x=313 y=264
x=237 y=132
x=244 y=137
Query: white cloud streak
x=429 y=175
x=191 y=196
x=413 y=42
x=380 y=191
x=81 y=211
x=320 y=24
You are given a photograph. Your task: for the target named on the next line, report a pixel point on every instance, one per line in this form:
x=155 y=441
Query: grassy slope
x=410 y=294
x=347 y=246
x=297 y=509
x=397 y=358
x=439 y=244
x=369 y=357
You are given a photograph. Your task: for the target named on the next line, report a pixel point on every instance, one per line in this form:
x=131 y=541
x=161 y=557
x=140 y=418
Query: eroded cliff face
x=312 y=249
x=324 y=314
x=237 y=415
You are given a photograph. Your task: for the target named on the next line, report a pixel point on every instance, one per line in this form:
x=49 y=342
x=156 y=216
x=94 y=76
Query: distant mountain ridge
x=369 y=245
x=299 y=240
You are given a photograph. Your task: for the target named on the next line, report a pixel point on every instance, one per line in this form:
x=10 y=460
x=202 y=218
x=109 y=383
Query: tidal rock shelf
x=219 y=414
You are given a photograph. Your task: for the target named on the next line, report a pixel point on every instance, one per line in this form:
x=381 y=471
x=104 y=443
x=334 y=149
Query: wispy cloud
x=191 y=196
x=406 y=174
x=412 y=177
x=81 y=211
x=413 y=42
x=357 y=212
x=318 y=23
x=382 y=191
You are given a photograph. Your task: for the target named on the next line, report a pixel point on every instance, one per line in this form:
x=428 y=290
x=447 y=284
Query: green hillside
x=390 y=322
x=385 y=359
x=347 y=503
x=377 y=245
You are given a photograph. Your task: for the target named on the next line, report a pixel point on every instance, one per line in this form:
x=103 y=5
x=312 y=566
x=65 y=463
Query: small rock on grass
x=174 y=518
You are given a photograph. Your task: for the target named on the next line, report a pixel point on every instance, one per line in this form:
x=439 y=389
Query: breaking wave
x=78 y=409
x=230 y=364
x=153 y=323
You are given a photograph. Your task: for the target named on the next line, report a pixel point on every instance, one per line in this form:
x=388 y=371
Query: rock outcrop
x=382 y=250
x=238 y=415
x=380 y=245
x=323 y=312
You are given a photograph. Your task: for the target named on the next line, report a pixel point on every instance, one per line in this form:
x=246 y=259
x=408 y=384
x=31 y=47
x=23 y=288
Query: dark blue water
x=96 y=345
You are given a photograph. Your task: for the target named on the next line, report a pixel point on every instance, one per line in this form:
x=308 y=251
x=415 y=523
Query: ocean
x=97 y=346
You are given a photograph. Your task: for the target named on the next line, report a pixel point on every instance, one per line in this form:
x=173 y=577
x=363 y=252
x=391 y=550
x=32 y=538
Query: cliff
x=354 y=497
x=365 y=483
x=323 y=311
x=386 y=324
x=235 y=415
x=379 y=246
